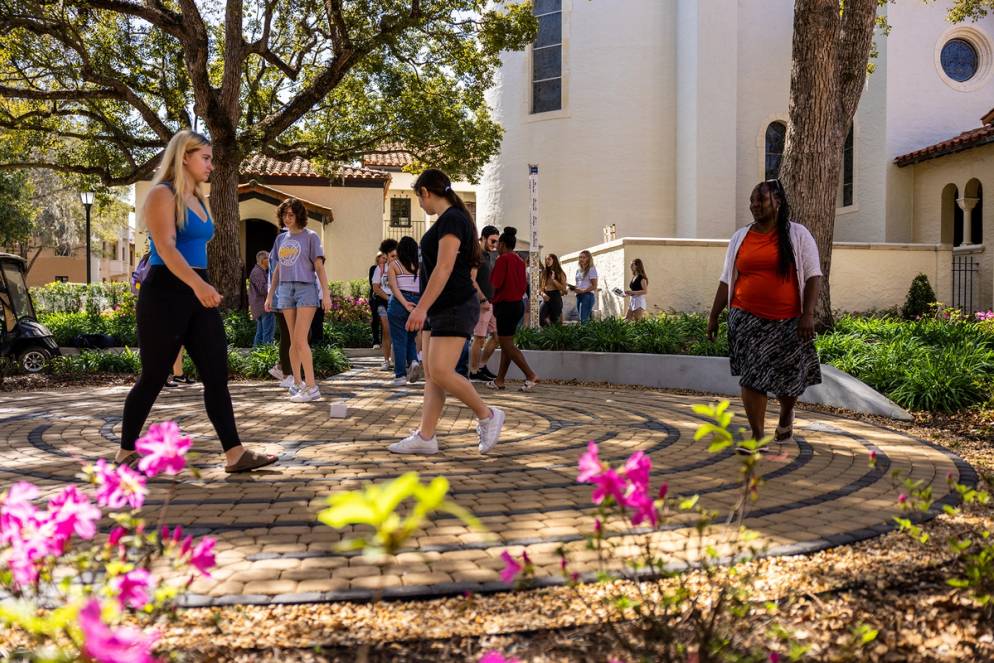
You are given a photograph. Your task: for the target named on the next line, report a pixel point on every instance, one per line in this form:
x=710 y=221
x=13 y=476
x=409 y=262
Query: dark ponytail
x=786 y=248
x=438 y=183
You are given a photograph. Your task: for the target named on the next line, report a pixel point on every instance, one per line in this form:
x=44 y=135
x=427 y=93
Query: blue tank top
x=191 y=241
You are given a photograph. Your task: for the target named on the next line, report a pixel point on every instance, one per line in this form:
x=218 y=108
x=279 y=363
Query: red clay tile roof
x=389 y=155
x=965 y=141
x=259 y=165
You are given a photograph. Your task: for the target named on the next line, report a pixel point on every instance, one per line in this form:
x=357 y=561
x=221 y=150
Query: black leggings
x=169 y=315
x=551 y=311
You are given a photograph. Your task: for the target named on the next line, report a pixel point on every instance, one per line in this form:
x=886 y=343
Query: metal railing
x=416 y=229
x=966 y=282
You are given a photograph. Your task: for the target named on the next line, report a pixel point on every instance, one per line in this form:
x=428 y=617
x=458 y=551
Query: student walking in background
x=381 y=289
x=375 y=302
x=300 y=257
x=486 y=326
x=510 y=282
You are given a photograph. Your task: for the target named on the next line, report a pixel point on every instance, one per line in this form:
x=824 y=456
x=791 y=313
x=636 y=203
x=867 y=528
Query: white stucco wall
x=607 y=157
x=922 y=108
x=683 y=273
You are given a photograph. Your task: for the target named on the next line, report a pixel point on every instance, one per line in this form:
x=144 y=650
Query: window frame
x=393 y=222
x=532 y=82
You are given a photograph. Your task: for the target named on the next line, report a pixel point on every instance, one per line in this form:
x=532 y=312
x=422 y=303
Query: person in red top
x=509 y=281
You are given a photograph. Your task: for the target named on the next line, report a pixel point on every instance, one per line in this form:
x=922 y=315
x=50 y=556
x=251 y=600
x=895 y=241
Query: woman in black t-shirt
x=448 y=310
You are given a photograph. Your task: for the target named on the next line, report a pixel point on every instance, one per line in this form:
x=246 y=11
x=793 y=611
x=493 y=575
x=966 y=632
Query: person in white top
x=403 y=277
x=586 y=285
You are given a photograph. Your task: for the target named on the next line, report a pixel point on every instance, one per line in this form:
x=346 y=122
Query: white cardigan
x=806 y=258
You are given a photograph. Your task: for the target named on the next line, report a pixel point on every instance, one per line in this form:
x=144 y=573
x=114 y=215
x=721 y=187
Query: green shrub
x=74 y=297
x=239 y=328
x=919 y=300
x=946 y=380
x=93 y=361
x=348 y=334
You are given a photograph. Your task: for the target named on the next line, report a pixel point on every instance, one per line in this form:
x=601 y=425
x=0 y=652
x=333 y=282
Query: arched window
x=973 y=191
x=776 y=138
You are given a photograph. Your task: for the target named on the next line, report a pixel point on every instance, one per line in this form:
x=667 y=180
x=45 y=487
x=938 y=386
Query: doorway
x=259 y=236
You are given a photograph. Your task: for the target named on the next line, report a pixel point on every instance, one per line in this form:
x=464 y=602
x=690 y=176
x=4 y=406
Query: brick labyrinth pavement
x=818 y=493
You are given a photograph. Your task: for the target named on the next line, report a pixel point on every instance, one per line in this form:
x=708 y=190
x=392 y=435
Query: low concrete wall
x=684 y=273
x=705 y=374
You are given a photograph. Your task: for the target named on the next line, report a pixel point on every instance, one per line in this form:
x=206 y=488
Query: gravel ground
x=889 y=583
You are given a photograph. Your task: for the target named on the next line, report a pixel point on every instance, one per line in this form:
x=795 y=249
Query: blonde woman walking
x=177 y=305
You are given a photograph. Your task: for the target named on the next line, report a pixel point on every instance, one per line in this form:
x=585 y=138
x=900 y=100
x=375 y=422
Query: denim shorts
x=296 y=294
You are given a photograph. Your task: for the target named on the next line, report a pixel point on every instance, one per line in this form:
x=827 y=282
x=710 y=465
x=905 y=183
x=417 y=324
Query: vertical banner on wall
x=534 y=268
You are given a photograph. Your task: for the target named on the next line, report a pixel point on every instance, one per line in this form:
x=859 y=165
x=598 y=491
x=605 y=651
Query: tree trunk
x=830 y=54
x=224 y=251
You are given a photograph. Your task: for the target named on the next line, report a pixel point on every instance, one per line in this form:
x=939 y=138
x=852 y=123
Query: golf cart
x=22 y=337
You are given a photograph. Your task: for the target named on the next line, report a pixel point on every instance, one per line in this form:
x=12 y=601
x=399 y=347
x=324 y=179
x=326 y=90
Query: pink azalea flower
x=115 y=536
x=497 y=657
x=163 y=450
x=132 y=588
x=511 y=567
x=598 y=526
x=590 y=464
x=609 y=484
x=637 y=469
x=902 y=499
x=16 y=510
x=24 y=559
x=106 y=645
x=663 y=490
x=202 y=557
x=118 y=486
x=643 y=507
x=71 y=512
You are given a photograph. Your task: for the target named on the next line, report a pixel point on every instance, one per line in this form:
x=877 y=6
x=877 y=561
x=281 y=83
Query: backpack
x=141 y=271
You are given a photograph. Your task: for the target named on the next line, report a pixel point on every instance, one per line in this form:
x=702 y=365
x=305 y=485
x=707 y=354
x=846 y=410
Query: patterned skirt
x=770 y=356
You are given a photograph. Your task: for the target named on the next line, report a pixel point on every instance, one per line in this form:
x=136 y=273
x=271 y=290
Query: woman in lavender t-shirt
x=298 y=257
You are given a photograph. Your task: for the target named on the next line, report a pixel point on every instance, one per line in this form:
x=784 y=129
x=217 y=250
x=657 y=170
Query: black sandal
x=251 y=460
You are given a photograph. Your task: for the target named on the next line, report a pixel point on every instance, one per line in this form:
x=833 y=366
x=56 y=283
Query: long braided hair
x=786 y=249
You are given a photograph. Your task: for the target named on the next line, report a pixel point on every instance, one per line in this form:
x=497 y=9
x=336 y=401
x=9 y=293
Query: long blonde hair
x=590 y=262
x=171 y=170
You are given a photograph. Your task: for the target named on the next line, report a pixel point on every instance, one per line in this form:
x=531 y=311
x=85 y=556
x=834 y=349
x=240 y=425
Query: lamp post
x=87 y=198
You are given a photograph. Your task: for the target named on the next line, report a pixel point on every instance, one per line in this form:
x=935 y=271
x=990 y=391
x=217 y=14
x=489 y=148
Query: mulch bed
x=890 y=583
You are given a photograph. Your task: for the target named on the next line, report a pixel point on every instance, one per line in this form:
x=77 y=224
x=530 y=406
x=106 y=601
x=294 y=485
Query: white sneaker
x=386 y=366
x=306 y=395
x=489 y=429
x=415 y=372
x=287 y=382
x=277 y=373
x=396 y=382
x=295 y=388
x=376 y=346
x=415 y=444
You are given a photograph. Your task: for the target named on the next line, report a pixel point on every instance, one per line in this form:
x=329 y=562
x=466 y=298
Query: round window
x=960 y=60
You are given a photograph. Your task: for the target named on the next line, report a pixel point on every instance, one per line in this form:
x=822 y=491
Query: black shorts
x=458 y=321
x=508 y=316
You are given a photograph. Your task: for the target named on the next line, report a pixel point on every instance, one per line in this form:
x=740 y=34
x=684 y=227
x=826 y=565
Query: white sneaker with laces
x=306 y=395
x=295 y=388
x=376 y=346
x=415 y=372
x=396 y=382
x=277 y=373
x=415 y=444
x=386 y=366
x=287 y=382
x=489 y=429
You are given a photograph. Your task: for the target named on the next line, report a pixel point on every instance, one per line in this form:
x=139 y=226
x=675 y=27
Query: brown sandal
x=131 y=460
x=250 y=460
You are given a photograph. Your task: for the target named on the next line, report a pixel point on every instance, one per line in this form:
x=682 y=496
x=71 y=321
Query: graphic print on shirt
x=289 y=252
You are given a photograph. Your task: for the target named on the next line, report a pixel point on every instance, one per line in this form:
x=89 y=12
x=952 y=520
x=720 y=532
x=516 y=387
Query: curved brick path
x=821 y=492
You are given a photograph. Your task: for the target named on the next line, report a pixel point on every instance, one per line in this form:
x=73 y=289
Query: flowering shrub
x=972 y=570
x=51 y=556
x=347 y=308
